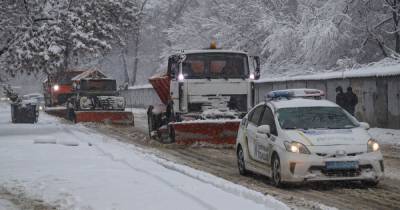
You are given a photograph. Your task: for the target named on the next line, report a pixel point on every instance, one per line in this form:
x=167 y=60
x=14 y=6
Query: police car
x=295 y=136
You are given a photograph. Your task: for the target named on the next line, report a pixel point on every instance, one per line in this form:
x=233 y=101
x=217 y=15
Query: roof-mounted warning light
x=295 y=93
x=213 y=45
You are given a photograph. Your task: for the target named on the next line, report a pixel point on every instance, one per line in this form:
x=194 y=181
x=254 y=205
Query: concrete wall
x=379 y=97
x=142 y=97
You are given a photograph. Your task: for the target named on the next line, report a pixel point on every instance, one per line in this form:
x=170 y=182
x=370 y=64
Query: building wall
x=379 y=97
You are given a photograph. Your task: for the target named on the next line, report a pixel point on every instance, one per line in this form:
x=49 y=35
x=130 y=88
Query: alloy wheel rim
x=276 y=172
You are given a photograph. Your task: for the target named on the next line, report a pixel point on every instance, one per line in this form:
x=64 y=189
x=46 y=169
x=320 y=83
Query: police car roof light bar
x=295 y=93
x=279 y=94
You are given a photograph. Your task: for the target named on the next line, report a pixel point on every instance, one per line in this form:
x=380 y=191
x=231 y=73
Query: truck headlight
x=181 y=77
x=252 y=77
x=373 y=145
x=56 y=87
x=296 y=147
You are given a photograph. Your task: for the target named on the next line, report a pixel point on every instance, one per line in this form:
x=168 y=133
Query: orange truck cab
x=57 y=88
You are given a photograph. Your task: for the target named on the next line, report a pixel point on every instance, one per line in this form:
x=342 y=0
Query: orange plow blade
x=212 y=132
x=113 y=117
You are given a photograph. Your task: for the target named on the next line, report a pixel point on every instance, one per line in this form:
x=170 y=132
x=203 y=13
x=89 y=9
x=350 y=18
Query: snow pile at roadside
x=378 y=69
x=386 y=136
x=72 y=167
x=7 y=205
x=229 y=187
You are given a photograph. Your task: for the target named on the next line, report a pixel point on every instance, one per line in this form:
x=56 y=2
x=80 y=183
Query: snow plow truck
x=92 y=97
x=204 y=93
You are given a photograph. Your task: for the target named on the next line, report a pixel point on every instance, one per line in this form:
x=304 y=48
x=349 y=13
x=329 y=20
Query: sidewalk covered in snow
x=72 y=167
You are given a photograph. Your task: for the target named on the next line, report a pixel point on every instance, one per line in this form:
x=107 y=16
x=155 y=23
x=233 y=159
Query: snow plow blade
x=112 y=117
x=209 y=132
x=56 y=111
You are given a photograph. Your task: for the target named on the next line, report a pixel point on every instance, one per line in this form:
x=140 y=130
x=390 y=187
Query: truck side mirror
x=257 y=68
x=172 y=67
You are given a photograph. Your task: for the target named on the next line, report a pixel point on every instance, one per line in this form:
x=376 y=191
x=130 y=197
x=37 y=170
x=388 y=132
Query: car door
x=264 y=143
x=251 y=129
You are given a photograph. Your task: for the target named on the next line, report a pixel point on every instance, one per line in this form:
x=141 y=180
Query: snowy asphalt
x=73 y=167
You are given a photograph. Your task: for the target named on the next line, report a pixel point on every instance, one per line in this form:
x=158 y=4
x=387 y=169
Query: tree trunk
x=135 y=56
x=66 y=57
x=123 y=57
x=396 y=25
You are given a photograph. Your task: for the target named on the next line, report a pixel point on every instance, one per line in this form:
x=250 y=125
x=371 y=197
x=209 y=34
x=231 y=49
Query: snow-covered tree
x=54 y=35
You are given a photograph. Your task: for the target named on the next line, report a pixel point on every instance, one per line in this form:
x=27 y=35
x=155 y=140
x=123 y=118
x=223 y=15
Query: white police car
x=294 y=136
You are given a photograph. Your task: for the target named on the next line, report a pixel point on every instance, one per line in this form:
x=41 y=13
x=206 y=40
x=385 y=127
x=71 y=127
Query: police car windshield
x=215 y=65
x=315 y=118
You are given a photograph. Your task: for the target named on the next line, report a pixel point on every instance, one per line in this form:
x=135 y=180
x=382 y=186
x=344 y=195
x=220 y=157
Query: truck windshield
x=215 y=65
x=97 y=85
x=315 y=118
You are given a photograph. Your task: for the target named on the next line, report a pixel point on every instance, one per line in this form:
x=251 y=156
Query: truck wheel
x=171 y=134
x=150 y=120
x=241 y=163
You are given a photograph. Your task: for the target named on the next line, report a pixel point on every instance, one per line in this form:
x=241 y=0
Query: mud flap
x=211 y=132
x=112 y=117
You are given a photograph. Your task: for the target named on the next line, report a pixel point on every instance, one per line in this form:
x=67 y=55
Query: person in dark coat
x=340 y=97
x=70 y=110
x=351 y=101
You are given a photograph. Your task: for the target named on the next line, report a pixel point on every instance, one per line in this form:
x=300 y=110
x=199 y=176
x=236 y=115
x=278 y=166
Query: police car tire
x=241 y=162
x=276 y=165
x=370 y=183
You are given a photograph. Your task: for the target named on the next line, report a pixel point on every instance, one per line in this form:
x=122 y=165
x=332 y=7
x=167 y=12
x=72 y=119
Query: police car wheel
x=276 y=171
x=241 y=163
x=370 y=183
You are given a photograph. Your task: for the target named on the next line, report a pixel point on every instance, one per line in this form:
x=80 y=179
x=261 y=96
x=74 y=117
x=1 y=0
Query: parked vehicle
x=294 y=136
x=39 y=98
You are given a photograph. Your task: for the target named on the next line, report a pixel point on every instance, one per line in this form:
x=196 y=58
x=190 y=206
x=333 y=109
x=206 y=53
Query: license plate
x=341 y=165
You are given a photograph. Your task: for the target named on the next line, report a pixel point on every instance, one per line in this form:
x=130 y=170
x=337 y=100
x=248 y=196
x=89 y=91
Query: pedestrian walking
x=351 y=100
x=340 y=97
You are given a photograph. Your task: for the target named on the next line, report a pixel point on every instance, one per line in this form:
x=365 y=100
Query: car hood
x=329 y=137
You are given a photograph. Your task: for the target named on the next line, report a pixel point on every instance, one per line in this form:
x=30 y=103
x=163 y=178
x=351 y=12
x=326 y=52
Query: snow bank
x=386 y=136
x=373 y=70
x=145 y=86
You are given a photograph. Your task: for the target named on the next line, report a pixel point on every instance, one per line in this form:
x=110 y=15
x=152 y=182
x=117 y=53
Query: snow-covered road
x=72 y=167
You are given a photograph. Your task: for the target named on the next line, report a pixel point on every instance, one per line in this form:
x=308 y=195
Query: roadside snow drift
x=74 y=168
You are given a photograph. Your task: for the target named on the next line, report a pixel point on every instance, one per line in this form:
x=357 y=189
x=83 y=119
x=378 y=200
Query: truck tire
x=150 y=120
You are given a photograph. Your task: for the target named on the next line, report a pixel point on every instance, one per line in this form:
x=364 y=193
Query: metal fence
x=379 y=97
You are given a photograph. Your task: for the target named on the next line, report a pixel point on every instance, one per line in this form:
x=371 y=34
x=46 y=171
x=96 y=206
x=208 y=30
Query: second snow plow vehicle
x=204 y=95
x=96 y=99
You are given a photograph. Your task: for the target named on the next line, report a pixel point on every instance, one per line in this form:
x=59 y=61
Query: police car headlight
x=296 y=147
x=373 y=145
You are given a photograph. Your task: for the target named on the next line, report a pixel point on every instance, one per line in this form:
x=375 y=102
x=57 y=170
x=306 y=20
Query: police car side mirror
x=264 y=129
x=364 y=125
